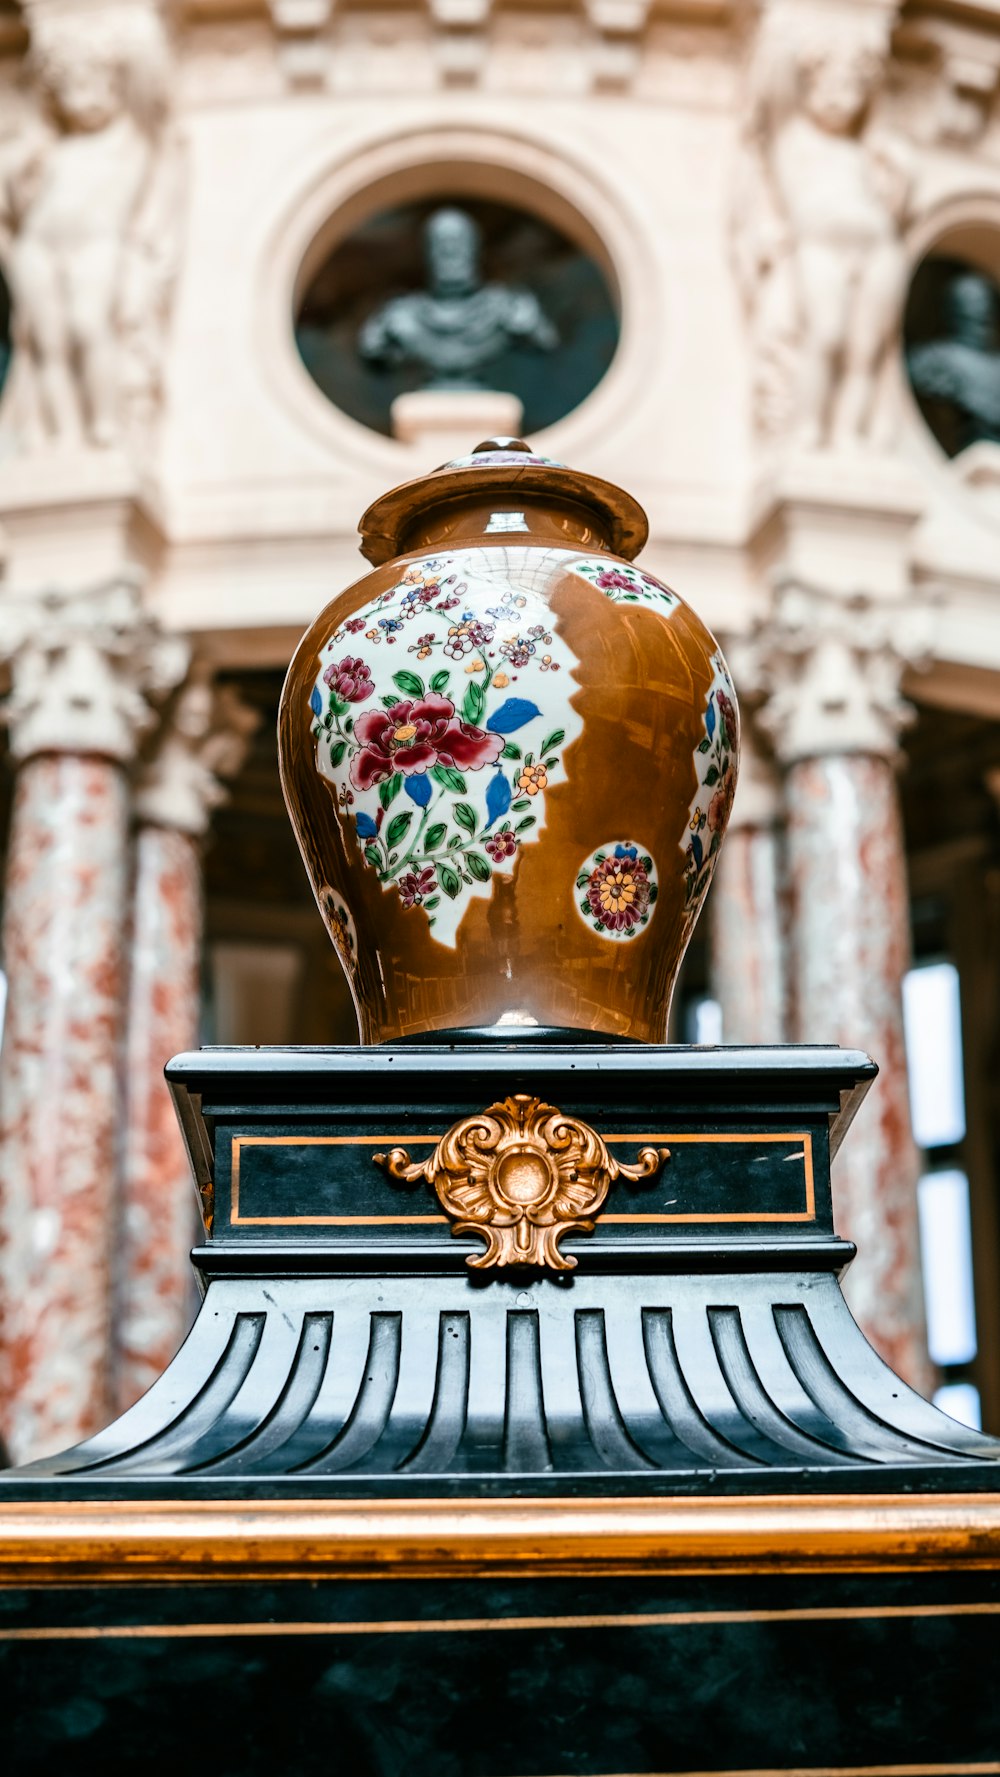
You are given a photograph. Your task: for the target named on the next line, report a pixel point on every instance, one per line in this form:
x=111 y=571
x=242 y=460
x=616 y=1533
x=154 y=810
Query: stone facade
x=177 y=500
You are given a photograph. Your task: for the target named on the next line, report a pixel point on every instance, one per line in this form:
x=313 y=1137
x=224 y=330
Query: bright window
x=932 y=1017
x=946 y=1257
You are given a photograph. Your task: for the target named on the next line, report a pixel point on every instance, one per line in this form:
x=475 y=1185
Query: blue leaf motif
x=366 y=826
x=697 y=851
x=316 y=702
x=418 y=788
x=498 y=797
x=710 y=717
x=512 y=715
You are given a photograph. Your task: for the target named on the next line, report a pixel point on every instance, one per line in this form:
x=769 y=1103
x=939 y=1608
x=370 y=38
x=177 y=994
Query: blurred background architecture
x=261 y=259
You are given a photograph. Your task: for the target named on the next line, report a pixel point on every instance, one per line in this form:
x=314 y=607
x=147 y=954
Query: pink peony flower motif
x=728 y=713
x=501 y=845
x=414 y=885
x=350 y=678
x=610 y=578
x=414 y=735
x=722 y=801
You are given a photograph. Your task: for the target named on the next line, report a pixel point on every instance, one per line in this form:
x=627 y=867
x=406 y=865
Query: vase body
x=508 y=756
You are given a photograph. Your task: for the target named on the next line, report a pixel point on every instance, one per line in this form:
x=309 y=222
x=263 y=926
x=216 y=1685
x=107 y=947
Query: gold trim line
x=43 y=1542
x=240 y=1142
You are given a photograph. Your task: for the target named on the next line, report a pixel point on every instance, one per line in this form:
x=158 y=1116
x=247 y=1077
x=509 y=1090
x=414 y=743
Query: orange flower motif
x=500 y=680
x=532 y=779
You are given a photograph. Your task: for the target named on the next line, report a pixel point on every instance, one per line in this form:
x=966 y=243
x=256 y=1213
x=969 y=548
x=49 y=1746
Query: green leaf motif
x=522 y=826
x=473 y=703
x=409 y=683
x=555 y=739
x=450 y=880
x=389 y=703
x=703 y=745
x=522 y=802
x=435 y=901
x=434 y=836
x=440 y=683
x=372 y=857
x=478 y=866
x=390 y=788
x=582 y=880
x=466 y=816
x=337 y=752
x=449 y=777
x=397 y=827
x=711 y=777
x=338 y=705
x=511 y=751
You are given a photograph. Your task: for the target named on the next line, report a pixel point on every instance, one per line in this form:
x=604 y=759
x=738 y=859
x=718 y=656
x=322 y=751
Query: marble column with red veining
x=835 y=715
x=203 y=739
x=78 y=664
x=746 y=915
x=158 y=1225
x=851 y=950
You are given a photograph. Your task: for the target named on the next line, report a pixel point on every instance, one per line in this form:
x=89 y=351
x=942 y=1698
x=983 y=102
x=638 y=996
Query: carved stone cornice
x=828 y=670
x=82 y=666
x=204 y=739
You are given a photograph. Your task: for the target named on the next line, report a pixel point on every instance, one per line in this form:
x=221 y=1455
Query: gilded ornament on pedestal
x=522 y=1175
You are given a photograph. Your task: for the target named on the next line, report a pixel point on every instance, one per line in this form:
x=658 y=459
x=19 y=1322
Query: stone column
x=833 y=666
x=746 y=914
x=80 y=663
x=204 y=738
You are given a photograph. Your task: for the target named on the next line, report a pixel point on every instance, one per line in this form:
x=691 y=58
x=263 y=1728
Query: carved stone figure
x=963 y=369
x=459 y=325
x=88 y=220
x=819 y=204
x=204 y=741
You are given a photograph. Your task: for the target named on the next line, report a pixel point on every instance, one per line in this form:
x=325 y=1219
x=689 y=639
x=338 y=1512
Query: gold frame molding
x=73 y=1541
x=698 y=1218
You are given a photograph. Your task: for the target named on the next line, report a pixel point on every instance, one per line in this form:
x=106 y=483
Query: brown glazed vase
x=509 y=758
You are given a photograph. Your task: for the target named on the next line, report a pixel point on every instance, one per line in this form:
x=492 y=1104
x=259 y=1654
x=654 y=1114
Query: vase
x=508 y=756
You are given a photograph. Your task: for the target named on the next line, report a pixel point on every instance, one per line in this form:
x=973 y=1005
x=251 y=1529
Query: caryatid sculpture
x=819 y=203
x=457 y=326
x=88 y=219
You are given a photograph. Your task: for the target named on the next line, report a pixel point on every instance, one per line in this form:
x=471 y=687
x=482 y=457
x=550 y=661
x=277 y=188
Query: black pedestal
x=666 y=1512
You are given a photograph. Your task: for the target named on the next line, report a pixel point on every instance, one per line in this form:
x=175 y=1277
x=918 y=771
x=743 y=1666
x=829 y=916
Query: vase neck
x=506 y=518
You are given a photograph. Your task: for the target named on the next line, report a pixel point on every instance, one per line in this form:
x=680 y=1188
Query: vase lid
x=501 y=463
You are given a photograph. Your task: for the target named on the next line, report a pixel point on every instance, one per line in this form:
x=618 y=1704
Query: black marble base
x=584 y=1678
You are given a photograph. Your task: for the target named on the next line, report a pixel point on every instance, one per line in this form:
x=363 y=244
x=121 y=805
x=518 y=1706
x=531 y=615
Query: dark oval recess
x=384 y=258
x=951 y=334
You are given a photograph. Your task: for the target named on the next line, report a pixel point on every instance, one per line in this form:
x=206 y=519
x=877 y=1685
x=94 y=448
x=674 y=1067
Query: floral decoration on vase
x=341 y=927
x=443 y=750
x=619 y=889
x=715 y=762
x=624 y=584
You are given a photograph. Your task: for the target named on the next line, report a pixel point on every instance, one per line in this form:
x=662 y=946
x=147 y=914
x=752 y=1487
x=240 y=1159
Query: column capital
x=204 y=738
x=828 y=669
x=82 y=665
